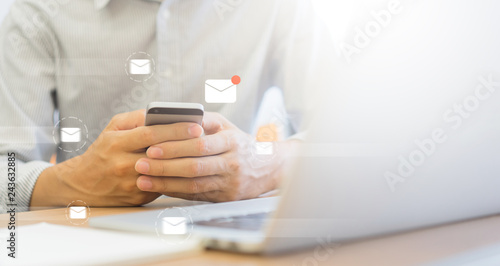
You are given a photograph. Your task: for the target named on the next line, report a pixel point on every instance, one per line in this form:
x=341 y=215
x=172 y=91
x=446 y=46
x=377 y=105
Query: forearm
x=48 y=190
x=52 y=188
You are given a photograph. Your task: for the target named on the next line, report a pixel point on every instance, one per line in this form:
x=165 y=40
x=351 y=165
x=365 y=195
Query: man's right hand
x=105 y=174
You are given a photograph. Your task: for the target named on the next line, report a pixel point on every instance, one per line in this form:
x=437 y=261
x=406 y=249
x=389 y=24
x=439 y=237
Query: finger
x=193 y=197
x=127 y=121
x=183 y=167
x=214 y=122
x=143 y=137
x=197 y=147
x=177 y=184
x=208 y=196
x=211 y=196
x=125 y=166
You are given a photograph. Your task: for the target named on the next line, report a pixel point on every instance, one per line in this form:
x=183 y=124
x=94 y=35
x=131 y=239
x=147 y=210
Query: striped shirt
x=75 y=64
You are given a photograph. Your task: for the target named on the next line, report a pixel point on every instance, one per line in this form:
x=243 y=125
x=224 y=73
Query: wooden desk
x=410 y=248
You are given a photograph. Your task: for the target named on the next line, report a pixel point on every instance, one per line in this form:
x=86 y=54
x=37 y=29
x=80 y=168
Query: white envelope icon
x=173 y=225
x=140 y=66
x=78 y=212
x=71 y=134
x=264 y=148
x=220 y=91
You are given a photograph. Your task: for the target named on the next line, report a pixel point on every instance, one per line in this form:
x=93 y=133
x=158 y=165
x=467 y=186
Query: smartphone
x=161 y=113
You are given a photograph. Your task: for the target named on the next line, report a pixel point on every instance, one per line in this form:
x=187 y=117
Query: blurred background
x=4 y=8
x=325 y=9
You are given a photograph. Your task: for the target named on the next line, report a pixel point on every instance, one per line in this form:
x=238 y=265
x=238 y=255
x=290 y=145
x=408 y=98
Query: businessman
x=63 y=60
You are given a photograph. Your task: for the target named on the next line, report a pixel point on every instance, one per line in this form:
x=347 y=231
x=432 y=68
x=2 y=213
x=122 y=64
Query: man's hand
x=216 y=167
x=104 y=175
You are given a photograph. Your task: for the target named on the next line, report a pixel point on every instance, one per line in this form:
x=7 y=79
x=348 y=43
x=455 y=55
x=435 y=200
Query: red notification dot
x=236 y=80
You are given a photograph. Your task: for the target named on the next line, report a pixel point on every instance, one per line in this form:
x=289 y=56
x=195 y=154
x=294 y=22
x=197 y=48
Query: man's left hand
x=215 y=167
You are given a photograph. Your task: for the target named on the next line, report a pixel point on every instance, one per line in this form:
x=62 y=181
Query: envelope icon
x=174 y=225
x=71 y=134
x=140 y=66
x=78 y=212
x=264 y=148
x=220 y=91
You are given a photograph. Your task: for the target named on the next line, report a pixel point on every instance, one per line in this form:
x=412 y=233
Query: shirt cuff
x=26 y=176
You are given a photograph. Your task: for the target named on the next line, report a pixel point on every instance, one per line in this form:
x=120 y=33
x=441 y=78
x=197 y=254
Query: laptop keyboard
x=250 y=222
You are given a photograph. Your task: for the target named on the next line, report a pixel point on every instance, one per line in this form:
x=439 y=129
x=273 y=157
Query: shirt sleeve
x=27 y=77
x=303 y=61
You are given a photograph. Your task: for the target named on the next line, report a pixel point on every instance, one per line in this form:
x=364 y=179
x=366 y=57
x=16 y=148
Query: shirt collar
x=100 y=4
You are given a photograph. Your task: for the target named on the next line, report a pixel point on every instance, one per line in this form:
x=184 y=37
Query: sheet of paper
x=48 y=244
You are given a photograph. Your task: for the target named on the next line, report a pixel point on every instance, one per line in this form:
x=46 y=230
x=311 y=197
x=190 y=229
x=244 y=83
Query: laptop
x=406 y=138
